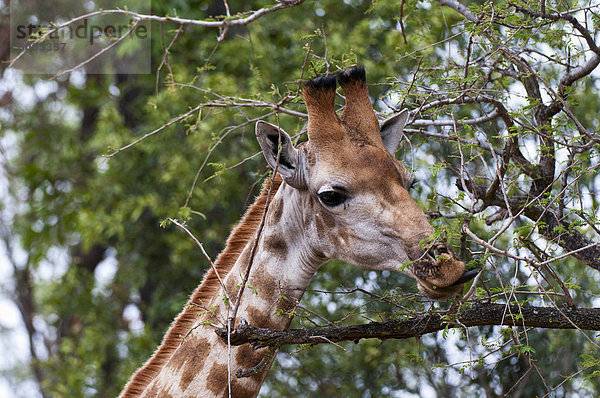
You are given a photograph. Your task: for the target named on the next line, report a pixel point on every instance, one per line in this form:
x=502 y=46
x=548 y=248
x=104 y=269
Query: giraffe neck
x=203 y=365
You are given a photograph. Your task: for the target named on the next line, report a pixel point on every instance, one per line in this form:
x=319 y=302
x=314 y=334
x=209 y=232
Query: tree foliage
x=502 y=139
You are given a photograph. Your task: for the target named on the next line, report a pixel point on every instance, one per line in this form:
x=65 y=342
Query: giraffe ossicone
x=341 y=194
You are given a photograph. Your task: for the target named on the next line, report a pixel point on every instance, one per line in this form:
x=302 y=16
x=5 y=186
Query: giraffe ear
x=391 y=130
x=291 y=161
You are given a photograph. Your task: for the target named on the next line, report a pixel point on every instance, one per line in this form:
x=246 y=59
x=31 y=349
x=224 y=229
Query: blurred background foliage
x=97 y=280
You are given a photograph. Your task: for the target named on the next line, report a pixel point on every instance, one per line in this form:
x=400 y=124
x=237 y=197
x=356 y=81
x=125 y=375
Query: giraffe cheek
x=340 y=238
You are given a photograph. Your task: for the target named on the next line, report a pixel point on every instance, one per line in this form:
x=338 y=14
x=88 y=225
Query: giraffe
x=342 y=195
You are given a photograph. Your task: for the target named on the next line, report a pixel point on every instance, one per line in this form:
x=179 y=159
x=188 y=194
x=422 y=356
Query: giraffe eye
x=332 y=198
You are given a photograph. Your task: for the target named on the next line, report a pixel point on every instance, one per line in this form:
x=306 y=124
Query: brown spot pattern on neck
x=236 y=242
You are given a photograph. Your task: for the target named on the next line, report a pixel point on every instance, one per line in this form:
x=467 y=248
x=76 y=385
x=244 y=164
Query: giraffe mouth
x=437 y=293
x=440 y=275
x=441 y=293
x=467 y=276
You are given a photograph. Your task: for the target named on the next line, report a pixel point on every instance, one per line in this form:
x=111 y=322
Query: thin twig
x=212 y=265
x=99 y=53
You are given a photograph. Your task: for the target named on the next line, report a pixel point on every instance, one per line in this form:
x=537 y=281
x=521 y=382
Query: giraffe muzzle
x=439 y=255
x=441 y=249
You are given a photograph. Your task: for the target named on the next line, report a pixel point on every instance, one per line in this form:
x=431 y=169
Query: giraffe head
x=355 y=193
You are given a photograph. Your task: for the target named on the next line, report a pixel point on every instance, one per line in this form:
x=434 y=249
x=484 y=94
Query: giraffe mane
x=236 y=242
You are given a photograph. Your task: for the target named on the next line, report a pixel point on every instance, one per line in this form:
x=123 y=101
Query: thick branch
x=449 y=122
x=414 y=326
x=571 y=240
x=553 y=229
x=460 y=9
x=579 y=72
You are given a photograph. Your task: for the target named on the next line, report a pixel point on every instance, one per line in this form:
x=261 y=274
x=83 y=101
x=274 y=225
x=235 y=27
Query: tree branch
x=479 y=314
x=563 y=16
x=225 y=24
x=551 y=227
x=460 y=9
